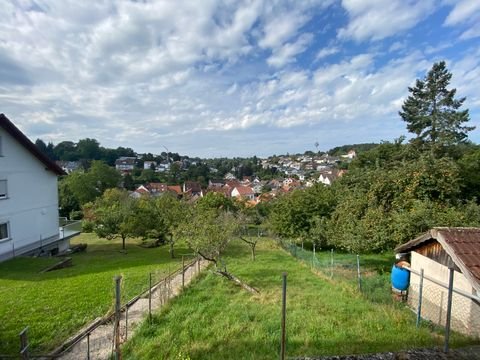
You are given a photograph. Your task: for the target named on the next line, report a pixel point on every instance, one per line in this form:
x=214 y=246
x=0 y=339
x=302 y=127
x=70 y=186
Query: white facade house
x=29 y=221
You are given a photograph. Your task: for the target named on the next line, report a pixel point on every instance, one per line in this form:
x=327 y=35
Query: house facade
x=28 y=197
x=436 y=252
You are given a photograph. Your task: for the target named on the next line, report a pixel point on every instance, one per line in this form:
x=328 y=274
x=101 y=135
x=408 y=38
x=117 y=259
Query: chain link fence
x=428 y=298
x=102 y=339
x=371 y=279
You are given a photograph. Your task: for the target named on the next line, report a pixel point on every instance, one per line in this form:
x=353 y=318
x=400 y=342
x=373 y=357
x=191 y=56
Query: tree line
x=395 y=190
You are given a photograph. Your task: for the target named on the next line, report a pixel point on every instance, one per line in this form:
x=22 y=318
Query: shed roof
x=15 y=132
x=462 y=244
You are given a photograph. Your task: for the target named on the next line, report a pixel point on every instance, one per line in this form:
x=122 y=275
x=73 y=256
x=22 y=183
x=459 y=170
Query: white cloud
x=378 y=19
x=286 y=54
x=465 y=12
x=328 y=51
x=208 y=77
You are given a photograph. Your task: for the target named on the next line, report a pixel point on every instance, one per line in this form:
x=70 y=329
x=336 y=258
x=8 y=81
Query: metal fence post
x=284 y=313
x=126 y=322
x=420 y=294
x=313 y=256
x=150 y=299
x=449 y=309
x=24 y=344
x=358 y=273
x=183 y=271
x=118 y=355
x=331 y=264
x=88 y=346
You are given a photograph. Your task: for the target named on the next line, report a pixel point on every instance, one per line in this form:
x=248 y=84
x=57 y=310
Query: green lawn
x=56 y=304
x=214 y=319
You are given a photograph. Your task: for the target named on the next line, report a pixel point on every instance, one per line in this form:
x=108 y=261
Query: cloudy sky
x=224 y=78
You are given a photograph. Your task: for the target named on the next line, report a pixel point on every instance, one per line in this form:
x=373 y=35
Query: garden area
x=215 y=319
x=56 y=304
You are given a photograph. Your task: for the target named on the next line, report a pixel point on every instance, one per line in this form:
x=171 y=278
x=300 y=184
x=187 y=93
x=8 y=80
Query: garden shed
x=435 y=252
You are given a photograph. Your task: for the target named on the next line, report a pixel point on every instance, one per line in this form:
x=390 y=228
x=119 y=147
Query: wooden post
x=150 y=300
x=358 y=273
x=284 y=315
x=449 y=309
x=126 y=322
x=420 y=295
x=331 y=264
x=183 y=271
x=118 y=355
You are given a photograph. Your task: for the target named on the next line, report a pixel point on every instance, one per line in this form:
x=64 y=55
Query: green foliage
x=81 y=187
x=111 y=215
x=207 y=232
x=433 y=113
x=323 y=317
x=292 y=215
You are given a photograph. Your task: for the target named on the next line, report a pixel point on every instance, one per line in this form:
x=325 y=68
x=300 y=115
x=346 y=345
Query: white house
x=28 y=197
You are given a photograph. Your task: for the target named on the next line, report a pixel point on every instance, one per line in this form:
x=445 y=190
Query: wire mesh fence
x=374 y=283
x=102 y=338
x=428 y=298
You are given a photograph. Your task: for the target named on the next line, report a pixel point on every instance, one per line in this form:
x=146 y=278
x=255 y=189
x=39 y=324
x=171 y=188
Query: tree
x=433 y=113
x=111 y=215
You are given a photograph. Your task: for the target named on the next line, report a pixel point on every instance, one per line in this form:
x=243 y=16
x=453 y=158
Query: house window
x=3 y=189
x=3 y=231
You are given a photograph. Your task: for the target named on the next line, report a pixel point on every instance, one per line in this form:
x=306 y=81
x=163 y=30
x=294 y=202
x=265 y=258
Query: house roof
x=175 y=188
x=245 y=190
x=11 y=129
x=462 y=244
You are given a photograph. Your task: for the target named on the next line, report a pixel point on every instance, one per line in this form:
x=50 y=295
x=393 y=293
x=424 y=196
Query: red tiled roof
x=175 y=188
x=462 y=244
x=10 y=128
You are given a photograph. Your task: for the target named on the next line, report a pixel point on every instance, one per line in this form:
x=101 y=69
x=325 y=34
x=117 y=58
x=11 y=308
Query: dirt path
x=99 y=344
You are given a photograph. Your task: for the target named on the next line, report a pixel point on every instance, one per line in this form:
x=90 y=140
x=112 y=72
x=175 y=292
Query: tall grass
x=215 y=319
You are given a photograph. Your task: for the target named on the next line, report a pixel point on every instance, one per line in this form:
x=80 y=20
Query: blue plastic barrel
x=400 y=278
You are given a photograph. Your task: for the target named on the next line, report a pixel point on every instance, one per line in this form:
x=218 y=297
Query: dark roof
x=8 y=126
x=462 y=244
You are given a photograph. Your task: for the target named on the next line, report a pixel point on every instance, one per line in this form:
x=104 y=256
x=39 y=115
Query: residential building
x=125 y=163
x=29 y=222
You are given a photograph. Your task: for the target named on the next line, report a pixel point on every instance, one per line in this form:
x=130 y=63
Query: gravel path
x=100 y=342
x=468 y=353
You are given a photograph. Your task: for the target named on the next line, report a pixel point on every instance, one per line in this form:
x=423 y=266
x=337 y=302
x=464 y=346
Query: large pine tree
x=433 y=113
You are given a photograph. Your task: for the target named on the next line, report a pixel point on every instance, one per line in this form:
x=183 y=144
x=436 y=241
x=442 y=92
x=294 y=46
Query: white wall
x=32 y=204
x=465 y=312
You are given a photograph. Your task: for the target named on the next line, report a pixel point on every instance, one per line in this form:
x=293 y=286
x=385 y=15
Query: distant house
x=327 y=178
x=125 y=163
x=244 y=192
x=29 y=221
x=156 y=189
x=149 y=165
x=229 y=176
x=68 y=166
x=352 y=154
x=192 y=188
x=435 y=252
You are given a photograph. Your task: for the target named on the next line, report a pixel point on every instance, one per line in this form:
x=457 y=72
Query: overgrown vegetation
x=395 y=191
x=214 y=319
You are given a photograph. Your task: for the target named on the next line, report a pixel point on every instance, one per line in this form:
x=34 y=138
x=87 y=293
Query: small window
x=3 y=189
x=3 y=231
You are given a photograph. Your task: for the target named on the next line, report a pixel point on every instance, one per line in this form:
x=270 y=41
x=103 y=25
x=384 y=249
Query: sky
x=215 y=78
